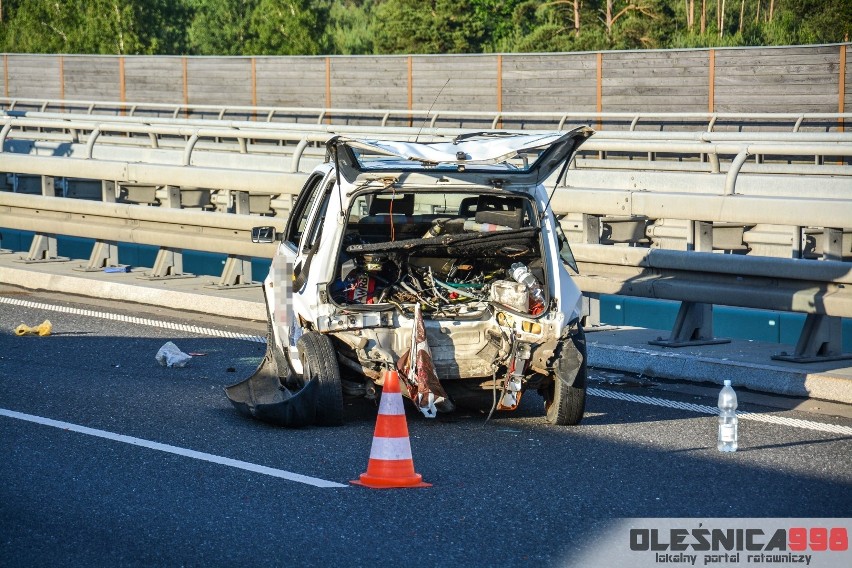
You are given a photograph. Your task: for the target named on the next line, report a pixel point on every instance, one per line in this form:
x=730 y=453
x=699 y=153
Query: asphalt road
x=510 y=492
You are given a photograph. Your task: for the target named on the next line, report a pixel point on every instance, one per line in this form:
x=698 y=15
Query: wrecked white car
x=442 y=260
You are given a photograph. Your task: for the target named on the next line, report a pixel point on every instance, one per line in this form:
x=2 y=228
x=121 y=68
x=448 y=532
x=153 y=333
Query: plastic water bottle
x=727 y=441
x=522 y=274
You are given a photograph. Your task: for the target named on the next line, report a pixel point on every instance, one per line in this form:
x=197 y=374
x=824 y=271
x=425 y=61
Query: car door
x=292 y=262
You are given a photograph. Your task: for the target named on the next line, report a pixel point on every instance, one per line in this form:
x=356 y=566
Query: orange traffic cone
x=390 y=462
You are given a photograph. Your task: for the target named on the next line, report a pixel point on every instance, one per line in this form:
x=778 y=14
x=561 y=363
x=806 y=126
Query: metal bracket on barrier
x=821 y=340
x=43 y=249
x=237 y=274
x=104 y=255
x=693 y=326
x=167 y=266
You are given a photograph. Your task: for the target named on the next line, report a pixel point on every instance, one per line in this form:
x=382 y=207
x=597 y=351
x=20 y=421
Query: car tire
x=565 y=397
x=319 y=362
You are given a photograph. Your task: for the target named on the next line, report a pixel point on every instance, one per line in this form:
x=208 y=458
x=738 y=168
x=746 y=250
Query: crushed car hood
x=491 y=151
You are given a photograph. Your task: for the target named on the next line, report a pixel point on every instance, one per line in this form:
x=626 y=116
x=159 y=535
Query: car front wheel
x=565 y=397
x=319 y=361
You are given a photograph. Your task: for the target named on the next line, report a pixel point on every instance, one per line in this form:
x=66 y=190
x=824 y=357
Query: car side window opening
x=312 y=234
x=565 y=252
x=301 y=210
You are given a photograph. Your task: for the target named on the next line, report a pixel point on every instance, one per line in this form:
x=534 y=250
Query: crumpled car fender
x=262 y=396
x=564 y=357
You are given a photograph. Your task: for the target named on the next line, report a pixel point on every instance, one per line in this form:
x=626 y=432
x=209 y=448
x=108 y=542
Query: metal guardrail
x=781 y=284
x=172 y=230
x=820 y=286
x=792 y=122
x=162 y=133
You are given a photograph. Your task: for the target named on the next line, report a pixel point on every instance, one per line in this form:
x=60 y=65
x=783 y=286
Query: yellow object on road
x=42 y=329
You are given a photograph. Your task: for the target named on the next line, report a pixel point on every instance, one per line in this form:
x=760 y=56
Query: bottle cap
x=727 y=382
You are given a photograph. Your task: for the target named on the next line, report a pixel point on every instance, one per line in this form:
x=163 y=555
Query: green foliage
x=270 y=27
x=288 y=27
x=349 y=27
x=495 y=17
x=645 y=29
x=220 y=27
x=93 y=26
x=822 y=21
x=40 y=26
x=427 y=26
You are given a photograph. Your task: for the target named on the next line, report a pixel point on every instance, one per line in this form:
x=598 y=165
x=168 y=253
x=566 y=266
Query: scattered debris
x=170 y=356
x=42 y=329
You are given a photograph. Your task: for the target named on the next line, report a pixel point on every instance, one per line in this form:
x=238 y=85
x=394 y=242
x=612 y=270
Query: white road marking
x=133 y=320
x=702 y=409
x=280 y=473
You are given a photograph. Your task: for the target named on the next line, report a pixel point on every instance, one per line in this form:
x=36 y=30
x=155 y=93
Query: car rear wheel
x=319 y=361
x=565 y=397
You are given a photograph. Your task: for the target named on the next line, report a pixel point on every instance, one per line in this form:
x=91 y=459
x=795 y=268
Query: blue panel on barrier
x=74 y=247
x=16 y=240
x=653 y=314
x=260 y=268
x=204 y=263
x=612 y=310
x=743 y=323
x=137 y=255
x=847 y=335
x=791 y=327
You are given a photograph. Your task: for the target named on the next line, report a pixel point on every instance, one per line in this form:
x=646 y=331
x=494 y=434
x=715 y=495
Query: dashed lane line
x=703 y=409
x=255 y=468
x=616 y=395
x=133 y=319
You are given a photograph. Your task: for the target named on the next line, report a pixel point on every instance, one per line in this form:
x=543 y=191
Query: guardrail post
x=104 y=255
x=237 y=274
x=591 y=229
x=241 y=203
x=48 y=186
x=821 y=340
x=169 y=196
x=592 y=310
x=693 y=326
x=108 y=191
x=43 y=249
x=832 y=248
x=701 y=234
x=167 y=266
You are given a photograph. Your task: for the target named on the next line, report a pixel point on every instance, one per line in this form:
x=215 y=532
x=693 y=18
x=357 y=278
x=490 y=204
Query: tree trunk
x=703 y=16
x=576 y=17
x=742 y=13
x=771 y=9
x=608 y=22
x=690 y=14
